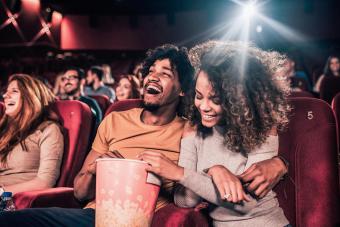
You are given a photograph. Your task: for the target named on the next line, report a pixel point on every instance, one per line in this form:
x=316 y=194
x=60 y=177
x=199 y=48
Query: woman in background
x=332 y=68
x=127 y=88
x=31 y=141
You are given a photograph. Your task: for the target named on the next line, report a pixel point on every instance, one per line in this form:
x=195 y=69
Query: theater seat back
x=102 y=100
x=310 y=194
x=336 y=109
x=76 y=118
x=329 y=87
x=124 y=105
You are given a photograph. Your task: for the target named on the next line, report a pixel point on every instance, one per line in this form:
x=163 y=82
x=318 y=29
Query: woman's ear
x=181 y=94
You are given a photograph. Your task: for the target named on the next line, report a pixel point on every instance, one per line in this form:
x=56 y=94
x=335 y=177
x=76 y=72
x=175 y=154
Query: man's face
x=89 y=78
x=161 y=85
x=70 y=82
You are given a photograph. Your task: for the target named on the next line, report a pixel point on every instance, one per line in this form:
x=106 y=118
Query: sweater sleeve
x=51 y=152
x=195 y=186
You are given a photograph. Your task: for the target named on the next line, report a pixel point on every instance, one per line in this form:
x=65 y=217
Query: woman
x=238 y=103
x=332 y=68
x=31 y=142
x=127 y=88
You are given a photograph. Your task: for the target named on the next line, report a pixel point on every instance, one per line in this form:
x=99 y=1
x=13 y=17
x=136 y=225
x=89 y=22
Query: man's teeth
x=208 y=117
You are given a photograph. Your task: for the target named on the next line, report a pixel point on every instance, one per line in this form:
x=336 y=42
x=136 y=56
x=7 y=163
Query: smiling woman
x=31 y=142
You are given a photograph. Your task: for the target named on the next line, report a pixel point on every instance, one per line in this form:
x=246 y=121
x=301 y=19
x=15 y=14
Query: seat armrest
x=171 y=215
x=52 y=197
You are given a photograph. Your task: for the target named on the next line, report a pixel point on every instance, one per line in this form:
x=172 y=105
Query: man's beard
x=150 y=106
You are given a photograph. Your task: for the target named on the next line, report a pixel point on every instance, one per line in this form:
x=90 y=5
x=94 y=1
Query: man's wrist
x=284 y=162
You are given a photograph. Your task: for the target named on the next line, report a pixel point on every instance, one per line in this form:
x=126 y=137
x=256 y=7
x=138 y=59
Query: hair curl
x=252 y=89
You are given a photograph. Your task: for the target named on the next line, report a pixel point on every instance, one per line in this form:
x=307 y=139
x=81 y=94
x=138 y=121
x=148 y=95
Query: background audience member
x=58 y=89
x=71 y=82
x=332 y=68
x=107 y=75
x=95 y=85
x=127 y=88
x=31 y=142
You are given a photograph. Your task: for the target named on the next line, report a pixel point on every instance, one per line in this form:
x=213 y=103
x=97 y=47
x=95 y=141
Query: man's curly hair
x=179 y=60
x=251 y=88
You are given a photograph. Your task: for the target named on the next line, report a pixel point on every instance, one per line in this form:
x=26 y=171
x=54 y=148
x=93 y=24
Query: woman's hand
x=110 y=154
x=228 y=185
x=161 y=165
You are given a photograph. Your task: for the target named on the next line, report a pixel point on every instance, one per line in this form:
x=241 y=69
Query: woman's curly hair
x=251 y=87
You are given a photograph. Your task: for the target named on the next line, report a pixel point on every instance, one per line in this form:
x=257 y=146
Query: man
x=167 y=76
x=71 y=83
x=95 y=86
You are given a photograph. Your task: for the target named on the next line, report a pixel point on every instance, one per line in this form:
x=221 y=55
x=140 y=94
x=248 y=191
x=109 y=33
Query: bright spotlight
x=259 y=28
x=249 y=10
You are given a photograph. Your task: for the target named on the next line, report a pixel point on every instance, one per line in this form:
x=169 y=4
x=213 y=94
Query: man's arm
x=85 y=181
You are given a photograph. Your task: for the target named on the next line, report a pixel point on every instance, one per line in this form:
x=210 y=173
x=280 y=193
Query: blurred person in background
x=95 y=85
x=332 y=68
x=31 y=142
x=127 y=88
x=107 y=76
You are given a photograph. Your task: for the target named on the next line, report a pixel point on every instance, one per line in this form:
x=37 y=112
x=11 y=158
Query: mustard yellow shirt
x=125 y=132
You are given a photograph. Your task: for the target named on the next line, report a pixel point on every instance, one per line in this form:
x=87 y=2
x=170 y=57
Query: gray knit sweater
x=198 y=154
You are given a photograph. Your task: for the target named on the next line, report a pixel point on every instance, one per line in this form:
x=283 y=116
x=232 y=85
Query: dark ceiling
x=152 y=6
x=130 y=6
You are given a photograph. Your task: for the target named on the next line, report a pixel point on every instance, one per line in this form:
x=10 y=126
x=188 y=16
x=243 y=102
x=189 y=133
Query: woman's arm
x=51 y=145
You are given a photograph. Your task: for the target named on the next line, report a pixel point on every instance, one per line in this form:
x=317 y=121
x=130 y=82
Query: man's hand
x=161 y=165
x=110 y=154
x=263 y=176
x=228 y=185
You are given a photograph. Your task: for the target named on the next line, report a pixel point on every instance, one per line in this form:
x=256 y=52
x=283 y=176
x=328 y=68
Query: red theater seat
x=336 y=109
x=329 y=87
x=124 y=105
x=75 y=117
x=310 y=194
x=102 y=100
x=295 y=94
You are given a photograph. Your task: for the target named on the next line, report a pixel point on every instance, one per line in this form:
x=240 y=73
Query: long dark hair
x=327 y=70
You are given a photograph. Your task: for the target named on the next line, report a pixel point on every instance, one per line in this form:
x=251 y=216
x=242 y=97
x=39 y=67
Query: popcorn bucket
x=123 y=196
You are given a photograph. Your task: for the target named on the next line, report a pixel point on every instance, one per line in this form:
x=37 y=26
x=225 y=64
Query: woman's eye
x=198 y=97
x=216 y=100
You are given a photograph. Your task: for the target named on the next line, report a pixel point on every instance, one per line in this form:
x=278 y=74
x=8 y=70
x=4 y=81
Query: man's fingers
x=119 y=155
x=255 y=184
x=262 y=187
x=264 y=193
x=250 y=176
x=250 y=169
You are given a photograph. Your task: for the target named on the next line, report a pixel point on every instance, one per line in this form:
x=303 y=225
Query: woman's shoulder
x=48 y=125
x=189 y=129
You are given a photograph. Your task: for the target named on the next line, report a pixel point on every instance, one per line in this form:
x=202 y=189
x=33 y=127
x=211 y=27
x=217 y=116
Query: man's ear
x=181 y=94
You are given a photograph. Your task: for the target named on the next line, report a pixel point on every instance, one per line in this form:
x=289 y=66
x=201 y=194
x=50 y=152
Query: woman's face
x=334 y=65
x=12 y=99
x=206 y=102
x=124 y=89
